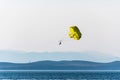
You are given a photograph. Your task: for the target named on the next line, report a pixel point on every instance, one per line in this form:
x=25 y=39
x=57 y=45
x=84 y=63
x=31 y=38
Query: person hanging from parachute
x=60 y=42
x=74 y=33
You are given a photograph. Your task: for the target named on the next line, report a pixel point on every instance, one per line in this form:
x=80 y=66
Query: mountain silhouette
x=61 y=65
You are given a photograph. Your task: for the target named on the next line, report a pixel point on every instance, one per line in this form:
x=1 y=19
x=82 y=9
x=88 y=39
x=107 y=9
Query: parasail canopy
x=74 y=33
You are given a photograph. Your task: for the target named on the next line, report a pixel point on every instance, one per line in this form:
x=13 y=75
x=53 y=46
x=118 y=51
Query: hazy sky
x=38 y=25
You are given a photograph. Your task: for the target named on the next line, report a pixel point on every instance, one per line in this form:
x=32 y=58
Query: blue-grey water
x=60 y=75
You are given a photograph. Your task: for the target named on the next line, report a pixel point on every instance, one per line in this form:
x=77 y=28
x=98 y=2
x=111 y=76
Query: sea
x=59 y=75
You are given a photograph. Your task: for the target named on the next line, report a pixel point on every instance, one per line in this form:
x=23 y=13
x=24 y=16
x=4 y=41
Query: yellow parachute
x=74 y=33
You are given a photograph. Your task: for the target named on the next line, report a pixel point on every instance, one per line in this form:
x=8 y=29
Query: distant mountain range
x=25 y=57
x=61 y=65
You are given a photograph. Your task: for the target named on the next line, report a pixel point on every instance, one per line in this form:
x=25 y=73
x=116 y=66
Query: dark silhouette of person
x=60 y=43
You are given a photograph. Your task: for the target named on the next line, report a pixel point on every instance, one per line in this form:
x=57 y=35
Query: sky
x=38 y=25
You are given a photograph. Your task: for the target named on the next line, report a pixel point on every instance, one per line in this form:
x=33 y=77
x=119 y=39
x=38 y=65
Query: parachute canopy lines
x=74 y=33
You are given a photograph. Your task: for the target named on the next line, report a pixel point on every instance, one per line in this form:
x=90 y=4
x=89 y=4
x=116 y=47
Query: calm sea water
x=59 y=75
